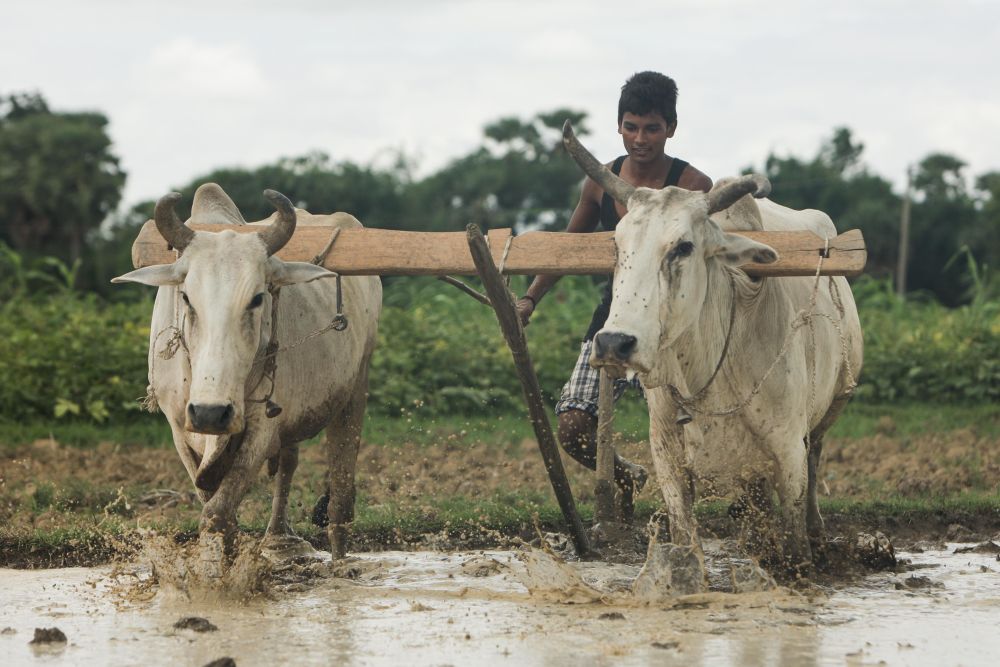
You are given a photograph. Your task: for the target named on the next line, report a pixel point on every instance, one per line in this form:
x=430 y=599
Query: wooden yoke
x=388 y=252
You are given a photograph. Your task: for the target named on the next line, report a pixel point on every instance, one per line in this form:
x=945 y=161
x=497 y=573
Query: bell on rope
x=683 y=416
x=271 y=409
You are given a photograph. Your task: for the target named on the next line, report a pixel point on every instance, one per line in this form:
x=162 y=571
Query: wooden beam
x=513 y=333
x=390 y=252
x=604 y=491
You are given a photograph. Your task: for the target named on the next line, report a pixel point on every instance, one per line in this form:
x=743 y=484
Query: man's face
x=645 y=135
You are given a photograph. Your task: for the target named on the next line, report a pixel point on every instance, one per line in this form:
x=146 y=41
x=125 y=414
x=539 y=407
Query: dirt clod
x=984 y=548
x=875 y=551
x=612 y=616
x=196 y=623
x=222 y=662
x=48 y=636
x=917 y=582
x=665 y=645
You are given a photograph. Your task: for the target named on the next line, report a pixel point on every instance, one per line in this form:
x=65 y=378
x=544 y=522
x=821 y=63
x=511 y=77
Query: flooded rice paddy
x=507 y=608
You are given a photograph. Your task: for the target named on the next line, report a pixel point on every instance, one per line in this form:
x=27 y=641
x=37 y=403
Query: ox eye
x=682 y=249
x=256 y=301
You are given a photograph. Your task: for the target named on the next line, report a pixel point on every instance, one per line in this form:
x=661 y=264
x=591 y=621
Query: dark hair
x=647 y=92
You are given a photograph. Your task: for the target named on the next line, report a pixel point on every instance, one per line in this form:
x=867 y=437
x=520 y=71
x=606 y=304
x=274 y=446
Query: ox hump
x=212 y=206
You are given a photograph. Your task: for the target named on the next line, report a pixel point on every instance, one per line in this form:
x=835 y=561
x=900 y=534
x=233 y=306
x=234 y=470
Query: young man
x=647 y=117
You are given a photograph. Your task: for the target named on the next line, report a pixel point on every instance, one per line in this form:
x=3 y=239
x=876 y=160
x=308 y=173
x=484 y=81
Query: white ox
x=212 y=385
x=677 y=292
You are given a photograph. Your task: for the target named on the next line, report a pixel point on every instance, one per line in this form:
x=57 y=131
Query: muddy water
x=434 y=608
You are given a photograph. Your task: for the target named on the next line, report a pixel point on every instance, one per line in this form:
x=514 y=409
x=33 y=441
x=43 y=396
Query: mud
x=526 y=607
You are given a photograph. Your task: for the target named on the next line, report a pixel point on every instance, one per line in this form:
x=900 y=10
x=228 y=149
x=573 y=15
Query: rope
x=803 y=318
x=268 y=361
x=321 y=257
x=503 y=257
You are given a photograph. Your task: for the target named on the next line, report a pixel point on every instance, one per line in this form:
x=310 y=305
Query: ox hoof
x=750 y=578
x=670 y=570
x=283 y=548
x=211 y=555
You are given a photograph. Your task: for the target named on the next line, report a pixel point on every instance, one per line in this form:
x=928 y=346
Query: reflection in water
x=429 y=608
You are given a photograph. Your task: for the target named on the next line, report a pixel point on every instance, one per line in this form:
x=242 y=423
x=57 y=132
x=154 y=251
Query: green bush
x=72 y=356
x=920 y=350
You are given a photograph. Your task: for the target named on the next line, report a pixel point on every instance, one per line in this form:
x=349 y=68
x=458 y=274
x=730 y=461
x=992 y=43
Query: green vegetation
x=71 y=356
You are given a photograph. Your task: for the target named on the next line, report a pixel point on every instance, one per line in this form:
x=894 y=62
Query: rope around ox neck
x=804 y=317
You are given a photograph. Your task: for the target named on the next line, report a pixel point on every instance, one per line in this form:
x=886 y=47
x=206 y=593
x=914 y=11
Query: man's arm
x=585 y=219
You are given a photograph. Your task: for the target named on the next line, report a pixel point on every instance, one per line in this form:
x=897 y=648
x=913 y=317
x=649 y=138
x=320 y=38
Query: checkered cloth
x=580 y=393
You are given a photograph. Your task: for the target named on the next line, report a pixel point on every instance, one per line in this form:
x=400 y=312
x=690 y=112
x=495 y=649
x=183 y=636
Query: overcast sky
x=191 y=86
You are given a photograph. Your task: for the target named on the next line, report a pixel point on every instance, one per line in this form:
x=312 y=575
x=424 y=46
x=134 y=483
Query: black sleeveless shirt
x=609 y=220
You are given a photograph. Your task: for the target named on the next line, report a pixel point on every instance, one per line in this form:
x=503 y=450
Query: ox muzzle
x=211 y=418
x=613 y=347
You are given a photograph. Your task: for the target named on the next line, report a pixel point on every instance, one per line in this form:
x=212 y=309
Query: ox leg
x=218 y=528
x=753 y=513
x=792 y=494
x=677 y=567
x=280 y=541
x=288 y=461
x=814 y=520
x=343 y=438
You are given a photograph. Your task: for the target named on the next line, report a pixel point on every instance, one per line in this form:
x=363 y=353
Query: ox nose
x=618 y=345
x=210 y=418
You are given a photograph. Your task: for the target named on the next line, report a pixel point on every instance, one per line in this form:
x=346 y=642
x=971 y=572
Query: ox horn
x=726 y=193
x=169 y=225
x=617 y=187
x=276 y=235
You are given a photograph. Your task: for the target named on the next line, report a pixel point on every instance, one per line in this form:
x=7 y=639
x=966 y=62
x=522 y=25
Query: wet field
x=941 y=606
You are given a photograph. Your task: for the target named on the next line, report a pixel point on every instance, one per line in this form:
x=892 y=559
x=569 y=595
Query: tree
x=985 y=238
x=943 y=221
x=837 y=182
x=520 y=178
x=58 y=176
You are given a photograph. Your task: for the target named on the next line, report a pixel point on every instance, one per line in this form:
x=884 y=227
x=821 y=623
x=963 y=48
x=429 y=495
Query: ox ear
x=737 y=250
x=290 y=273
x=158 y=275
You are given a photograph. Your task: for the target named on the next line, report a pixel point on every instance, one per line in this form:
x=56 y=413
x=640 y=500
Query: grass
x=416 y=428
x=861 y=420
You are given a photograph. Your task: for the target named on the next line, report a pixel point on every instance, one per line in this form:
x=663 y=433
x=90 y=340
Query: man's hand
x=525 y=307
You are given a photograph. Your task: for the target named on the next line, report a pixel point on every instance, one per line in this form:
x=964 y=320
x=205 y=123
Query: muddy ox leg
x=814 y=521
x=343 y=438
x=792 y=489
x=676 y=568
x=288 y=461
x=217 y=529
x=666 y=440
x=280 y=541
